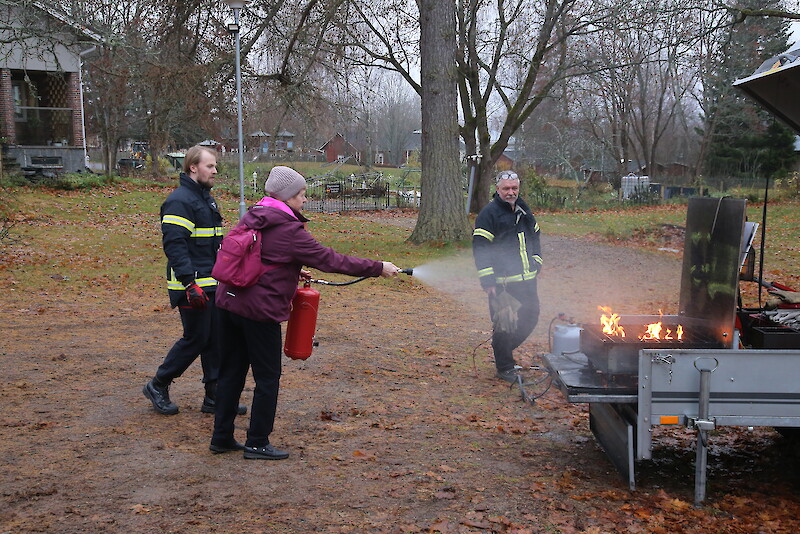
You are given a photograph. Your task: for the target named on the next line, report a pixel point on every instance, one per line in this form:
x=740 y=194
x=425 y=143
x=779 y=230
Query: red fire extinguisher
x=302 y=323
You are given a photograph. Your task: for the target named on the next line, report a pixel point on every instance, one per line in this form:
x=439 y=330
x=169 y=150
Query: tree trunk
x=484 y=178
x=442 y=214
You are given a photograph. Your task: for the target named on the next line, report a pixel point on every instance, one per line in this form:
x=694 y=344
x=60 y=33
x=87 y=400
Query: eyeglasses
x=507 y=175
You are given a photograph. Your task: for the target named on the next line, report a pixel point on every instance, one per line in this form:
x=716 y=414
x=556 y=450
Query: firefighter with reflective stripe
x=191 y=227
x=507 y=252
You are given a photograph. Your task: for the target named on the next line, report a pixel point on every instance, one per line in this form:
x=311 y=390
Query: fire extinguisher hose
x=327 y=283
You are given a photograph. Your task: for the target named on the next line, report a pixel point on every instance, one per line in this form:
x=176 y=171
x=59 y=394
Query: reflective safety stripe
x=180 y=221
x=207 y=232
x=193 y=230
x=202 y=282
x=528 y=272
x=480 y=232
x=175 y=285
x=523 y=252
x=206 y=282
x=517 y=277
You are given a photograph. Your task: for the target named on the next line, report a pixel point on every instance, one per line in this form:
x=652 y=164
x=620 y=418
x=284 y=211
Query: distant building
x=284 y=142
x=660 y=170
x=506 y=161
x=41 y=98
x=413 y=147
x=337 y=148
x=409 y=149
x=261 y=141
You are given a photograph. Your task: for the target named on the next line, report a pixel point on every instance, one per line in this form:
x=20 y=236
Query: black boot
x=158 y=393
x=210 y=400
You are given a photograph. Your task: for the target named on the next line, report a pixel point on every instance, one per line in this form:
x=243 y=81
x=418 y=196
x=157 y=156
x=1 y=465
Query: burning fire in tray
x=652 y=332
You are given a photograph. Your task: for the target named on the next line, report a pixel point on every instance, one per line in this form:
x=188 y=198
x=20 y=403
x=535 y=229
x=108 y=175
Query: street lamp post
x=237 y=6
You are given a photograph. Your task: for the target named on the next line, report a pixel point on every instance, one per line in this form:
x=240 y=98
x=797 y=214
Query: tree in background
x=175 y=60
x=442 y=216
x=155 y=76
x=740 y=139
x=637 y=92
x=107 y=95
x=398 y=113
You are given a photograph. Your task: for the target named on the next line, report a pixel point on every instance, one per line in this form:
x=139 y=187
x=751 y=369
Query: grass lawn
x=634 y=225
x=103 y=223
x=109 y=235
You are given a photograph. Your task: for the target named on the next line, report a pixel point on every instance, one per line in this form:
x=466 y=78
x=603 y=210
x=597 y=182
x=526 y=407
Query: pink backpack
x=239 y=258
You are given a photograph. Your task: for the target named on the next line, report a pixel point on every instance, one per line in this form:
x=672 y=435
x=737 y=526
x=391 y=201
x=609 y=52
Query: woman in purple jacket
x=250 y=330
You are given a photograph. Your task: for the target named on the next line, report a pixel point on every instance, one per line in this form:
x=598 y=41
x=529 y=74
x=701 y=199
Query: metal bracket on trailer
x=744 y=388
x=709 y=388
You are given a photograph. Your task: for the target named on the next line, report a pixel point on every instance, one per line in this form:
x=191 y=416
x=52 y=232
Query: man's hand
x=198 y=299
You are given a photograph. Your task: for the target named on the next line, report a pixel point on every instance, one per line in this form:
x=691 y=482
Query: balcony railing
x=43 y=126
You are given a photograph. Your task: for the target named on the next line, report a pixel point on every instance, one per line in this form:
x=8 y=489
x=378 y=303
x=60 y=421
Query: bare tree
x=398 y=116
x=107 y=95
x=442 y=216
x=638 y=87
x=502 y=70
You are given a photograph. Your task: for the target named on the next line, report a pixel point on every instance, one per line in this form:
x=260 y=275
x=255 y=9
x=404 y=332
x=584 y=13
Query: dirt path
x=390 y=427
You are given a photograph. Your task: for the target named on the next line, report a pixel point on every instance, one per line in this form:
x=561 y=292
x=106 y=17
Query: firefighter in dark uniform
x=191 y=227
x=507 y=253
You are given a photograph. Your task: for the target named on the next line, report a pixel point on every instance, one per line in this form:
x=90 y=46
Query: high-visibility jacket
x=505 y=243
x=191 y=228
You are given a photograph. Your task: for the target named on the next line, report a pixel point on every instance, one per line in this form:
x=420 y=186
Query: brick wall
x=74 y=102
x=7 y=126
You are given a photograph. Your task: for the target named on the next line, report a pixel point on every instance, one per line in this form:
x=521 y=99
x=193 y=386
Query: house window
x=41 y=109
x=20 y=115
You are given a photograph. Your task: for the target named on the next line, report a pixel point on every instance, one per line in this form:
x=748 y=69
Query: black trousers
x=248 y=344
x=200 y=328
x=504 y=343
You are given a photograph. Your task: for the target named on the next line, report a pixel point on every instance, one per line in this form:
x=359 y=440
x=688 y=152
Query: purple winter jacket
x=286 y=246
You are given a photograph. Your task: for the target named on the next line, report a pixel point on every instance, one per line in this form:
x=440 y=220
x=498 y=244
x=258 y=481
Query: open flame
x=652 y=332
x=656 y=332
x=610 y=322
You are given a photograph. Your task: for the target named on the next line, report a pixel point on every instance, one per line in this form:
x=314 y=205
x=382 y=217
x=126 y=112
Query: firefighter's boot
x=158 y=393
x=210 y=400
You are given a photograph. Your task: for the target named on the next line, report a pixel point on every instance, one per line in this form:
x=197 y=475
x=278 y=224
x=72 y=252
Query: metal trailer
x=701 y=389
x=702 y=380
x=633 y=388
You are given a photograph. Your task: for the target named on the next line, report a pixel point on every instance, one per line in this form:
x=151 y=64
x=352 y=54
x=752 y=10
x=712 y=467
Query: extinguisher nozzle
x=407 y=271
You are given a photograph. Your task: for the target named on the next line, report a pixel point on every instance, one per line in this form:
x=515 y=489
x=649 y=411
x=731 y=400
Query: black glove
x=197 y=298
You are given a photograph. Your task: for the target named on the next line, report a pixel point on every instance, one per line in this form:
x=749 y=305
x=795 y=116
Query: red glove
x=198 y=299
